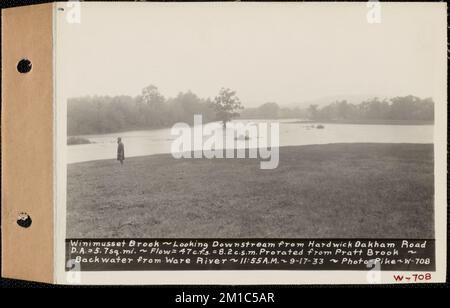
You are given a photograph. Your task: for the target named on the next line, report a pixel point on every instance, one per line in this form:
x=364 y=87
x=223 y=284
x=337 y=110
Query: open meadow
x=363 y=190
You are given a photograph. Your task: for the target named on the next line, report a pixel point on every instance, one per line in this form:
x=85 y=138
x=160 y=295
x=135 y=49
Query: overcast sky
x=283 y=53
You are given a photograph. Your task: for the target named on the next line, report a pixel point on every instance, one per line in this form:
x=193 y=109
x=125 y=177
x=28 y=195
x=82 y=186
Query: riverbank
x=321 y=191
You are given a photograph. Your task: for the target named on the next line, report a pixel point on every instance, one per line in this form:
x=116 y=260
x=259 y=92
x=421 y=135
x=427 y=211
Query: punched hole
x=24 y=220
x=24 y=66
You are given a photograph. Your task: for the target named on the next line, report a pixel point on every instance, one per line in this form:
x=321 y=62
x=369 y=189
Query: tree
x=269 y=110
x=151 y=96
x=374 y=109
x=344 y=110
x=227 y=104
x=313 y=111
x=184 y=106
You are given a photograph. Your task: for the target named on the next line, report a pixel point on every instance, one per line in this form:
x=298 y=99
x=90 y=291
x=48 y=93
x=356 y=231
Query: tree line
x=398 y=108
x=106 y=114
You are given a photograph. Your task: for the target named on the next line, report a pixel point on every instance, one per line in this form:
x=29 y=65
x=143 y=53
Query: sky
x=272 y=52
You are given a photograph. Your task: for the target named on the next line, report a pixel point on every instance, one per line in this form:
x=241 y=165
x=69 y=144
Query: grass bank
x=77 y=140
x=336 y=190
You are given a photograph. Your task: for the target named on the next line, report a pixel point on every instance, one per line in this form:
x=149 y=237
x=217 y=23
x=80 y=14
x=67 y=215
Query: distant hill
x=326 y=100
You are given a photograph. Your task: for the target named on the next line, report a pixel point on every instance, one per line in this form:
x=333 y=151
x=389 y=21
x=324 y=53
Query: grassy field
x=336 y=190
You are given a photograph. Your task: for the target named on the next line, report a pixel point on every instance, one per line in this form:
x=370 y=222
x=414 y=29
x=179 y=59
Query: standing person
x=120 y=151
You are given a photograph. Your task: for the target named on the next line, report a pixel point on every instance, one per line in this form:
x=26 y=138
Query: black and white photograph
x=225 y=145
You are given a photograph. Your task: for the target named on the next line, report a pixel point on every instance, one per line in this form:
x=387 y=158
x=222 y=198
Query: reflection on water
x=139 y=143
